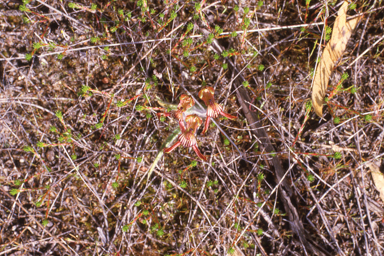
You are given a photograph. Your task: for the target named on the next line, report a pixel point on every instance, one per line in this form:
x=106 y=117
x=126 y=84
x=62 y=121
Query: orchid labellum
x=187 y=137
x=213 y=109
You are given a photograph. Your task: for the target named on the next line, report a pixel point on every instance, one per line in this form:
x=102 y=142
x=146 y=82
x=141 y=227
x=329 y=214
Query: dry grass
x=79 y=130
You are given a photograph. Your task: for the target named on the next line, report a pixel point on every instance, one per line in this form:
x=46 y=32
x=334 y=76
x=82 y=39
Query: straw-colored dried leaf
x=335 y=48
x=378 y=178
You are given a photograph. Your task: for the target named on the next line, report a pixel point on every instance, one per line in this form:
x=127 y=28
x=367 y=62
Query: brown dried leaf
x=378 y=179
x=341 y=33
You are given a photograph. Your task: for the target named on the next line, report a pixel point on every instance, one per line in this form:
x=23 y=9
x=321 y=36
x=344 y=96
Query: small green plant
x=28 y=149
x=336 y=120
x=231 y=250
x=40 y=144
x=183 y=184
x=37 y=45
x=160 y=232
x=45 y=222
x=28 y=56
x=337 y=155
x=352 y=6
x=260 y=177
x=344 y=76
x=368 y=118
x=14 y=191
x=94 y=39
x=311 y=178
x=328 y=32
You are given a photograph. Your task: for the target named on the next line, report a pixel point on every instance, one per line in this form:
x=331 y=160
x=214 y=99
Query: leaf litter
x=342 y=31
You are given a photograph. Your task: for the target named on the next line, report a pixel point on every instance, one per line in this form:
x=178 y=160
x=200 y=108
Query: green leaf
x=36 y=46
x=160 y=232
x=14 y=191
x=190 y=26
x=337 y=155
x=368 y=118
x=44 y=222
x=28 y=56
x=40 y=144
x=183 y=184
x=28 y=149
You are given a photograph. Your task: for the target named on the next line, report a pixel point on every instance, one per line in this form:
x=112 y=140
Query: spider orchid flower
x=186 y=102
x=187 y=138
x=213 y=109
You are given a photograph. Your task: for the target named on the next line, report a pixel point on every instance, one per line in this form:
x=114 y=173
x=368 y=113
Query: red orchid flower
x=186 y=102
x=213 y=109
x=187 y=137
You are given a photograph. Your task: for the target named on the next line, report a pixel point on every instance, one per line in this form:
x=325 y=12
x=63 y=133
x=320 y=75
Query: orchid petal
x=198 y=153
x=173 y=147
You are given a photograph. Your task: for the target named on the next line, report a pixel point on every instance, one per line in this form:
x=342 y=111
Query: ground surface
x=79 y=129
